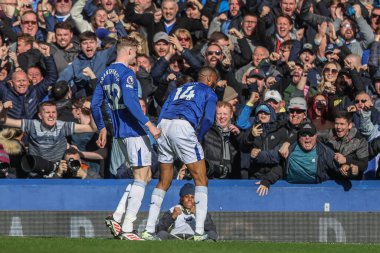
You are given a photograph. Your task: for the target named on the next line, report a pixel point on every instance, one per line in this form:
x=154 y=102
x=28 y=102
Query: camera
x=320 y=105
x=73 y=166
x=36 y=166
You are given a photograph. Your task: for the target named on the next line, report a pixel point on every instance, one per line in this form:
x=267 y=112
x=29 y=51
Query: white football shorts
x=137 y=150
x=178 y=139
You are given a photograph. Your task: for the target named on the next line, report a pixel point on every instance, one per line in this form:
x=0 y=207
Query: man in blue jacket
x=89 y=57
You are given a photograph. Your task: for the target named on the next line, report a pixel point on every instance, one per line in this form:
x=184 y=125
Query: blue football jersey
x=117 y=85
x=195 y=102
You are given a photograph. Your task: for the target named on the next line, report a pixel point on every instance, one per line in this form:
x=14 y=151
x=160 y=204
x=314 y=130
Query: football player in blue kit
x=186 y=116
x=117 y=85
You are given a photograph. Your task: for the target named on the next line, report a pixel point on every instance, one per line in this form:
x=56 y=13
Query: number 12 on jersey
x=187 y=94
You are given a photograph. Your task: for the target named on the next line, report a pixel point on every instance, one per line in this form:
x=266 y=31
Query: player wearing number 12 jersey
x=118 y=87
x=186 y=116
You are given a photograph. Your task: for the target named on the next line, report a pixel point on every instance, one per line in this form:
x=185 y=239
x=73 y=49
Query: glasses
x=217 y=53
x=29 y=22
x=363 y=101
x=375 y=16
x=183 y=39
x=333 y=71
x=298 y=111
x=29 y=6
x=348 y=26
x=66 y=1
x=304 y=134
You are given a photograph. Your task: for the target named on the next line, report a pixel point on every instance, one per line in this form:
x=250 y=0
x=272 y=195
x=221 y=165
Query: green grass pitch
x=68 y=245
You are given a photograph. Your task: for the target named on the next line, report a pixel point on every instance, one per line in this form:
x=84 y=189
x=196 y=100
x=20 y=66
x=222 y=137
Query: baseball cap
x=307 y=128
x=307 y=47
x=262 y=108
x=258 y=73
x=376 y=76
x=4 y=157
x=187 y=189
x=330 y=48
x=160 y=36
x=229 y=94
x=272 y=94
x=297 y=103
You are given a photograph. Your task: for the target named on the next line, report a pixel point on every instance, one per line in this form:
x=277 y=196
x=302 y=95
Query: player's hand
x=102 y=139
x=262 y=190
x=177 y=211
x=153 y=130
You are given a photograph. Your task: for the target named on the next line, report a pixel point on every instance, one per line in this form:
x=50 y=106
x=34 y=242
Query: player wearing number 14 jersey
x=118 y=87
x=186 y=116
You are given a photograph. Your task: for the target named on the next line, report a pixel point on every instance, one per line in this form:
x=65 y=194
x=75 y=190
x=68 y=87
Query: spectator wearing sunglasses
x=29 y=25
x=309 y=161
x=329 y=78
x=349 y=28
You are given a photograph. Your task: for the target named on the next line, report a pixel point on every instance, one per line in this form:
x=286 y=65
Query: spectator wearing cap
x=231 y=96
x=265 y=134
x=309 y=161
x=308 y=56
x=255 y=81
x=335 y=53
x=179 y=222
x=161 y=44
x=349 y=28
x=350 y=147
x=296 y=84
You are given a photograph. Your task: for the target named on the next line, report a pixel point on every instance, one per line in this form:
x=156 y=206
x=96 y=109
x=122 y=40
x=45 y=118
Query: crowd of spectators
x=298 y=85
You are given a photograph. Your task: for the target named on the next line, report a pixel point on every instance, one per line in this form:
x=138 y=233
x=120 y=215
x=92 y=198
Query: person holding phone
x=266 y=133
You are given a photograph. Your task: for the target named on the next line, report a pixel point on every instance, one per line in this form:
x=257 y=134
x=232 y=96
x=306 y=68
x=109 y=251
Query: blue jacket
x=73 y=73
x=26 y=106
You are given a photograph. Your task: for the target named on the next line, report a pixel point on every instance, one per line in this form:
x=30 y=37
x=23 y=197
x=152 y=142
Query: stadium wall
x=329 y=212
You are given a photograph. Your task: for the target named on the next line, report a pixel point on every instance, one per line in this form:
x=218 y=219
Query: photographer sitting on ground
x=72 y=167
